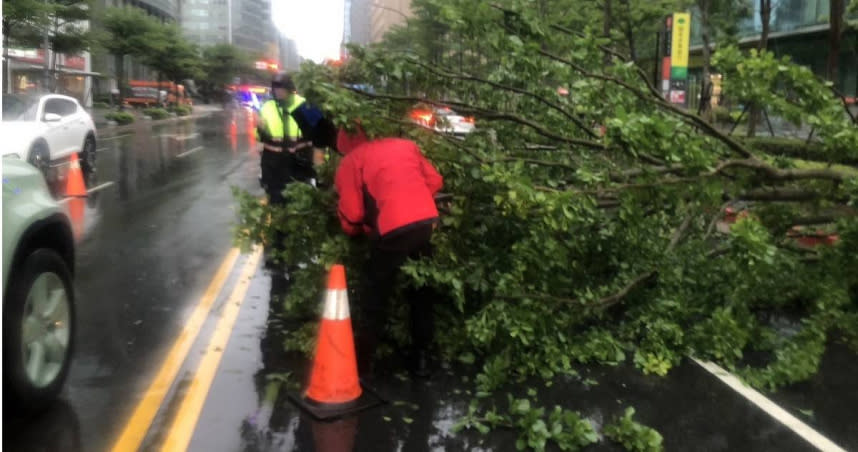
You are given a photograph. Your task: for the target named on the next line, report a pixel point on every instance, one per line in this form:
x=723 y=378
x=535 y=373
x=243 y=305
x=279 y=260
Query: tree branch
x=696 y=120
x=553 y=105
x=486 y=114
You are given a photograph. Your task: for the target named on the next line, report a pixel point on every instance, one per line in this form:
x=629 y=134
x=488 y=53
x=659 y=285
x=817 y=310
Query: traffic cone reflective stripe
x=74 y=180
x=334 y=377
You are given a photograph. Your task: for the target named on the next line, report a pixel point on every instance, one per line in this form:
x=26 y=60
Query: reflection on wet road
x=150 y=241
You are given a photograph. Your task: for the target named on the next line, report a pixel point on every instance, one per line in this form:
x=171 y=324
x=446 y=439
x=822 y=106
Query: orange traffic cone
x=74 y=179
x=334 y=390
x=334 y=378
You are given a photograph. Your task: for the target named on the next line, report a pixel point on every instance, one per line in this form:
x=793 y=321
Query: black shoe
x=422 y=365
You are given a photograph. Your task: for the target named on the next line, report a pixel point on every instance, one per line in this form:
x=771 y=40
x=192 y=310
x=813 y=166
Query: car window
x=60 y=107
x=17 y=108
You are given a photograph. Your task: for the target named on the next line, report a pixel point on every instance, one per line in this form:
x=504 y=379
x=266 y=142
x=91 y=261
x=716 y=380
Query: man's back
x=397 y=182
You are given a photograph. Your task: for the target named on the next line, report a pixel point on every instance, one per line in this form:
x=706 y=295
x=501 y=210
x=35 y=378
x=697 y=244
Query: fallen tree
x=562 y=245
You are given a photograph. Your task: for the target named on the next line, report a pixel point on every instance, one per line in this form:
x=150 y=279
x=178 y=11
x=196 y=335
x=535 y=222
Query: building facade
x=290 y=59
x=798 y=28
x=359 y=18
x=245 y=24
x=386 y=14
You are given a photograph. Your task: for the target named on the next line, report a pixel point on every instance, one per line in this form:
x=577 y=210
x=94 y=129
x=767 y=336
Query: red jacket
x=384 y=184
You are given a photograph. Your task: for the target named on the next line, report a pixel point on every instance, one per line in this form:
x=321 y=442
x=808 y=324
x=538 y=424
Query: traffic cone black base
x=369 y=398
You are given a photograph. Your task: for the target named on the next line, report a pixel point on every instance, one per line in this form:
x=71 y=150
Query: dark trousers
x=387 y=254
x=275 y=175
x=279 y=169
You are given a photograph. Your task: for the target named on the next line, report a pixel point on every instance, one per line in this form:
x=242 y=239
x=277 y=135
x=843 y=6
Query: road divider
x=136 y=428
x=183 y=426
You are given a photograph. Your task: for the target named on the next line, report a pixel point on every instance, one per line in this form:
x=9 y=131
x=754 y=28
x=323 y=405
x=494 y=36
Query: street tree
x=718 y=22
x=172 y=55
x=221 y=64
x=126 y=33
x=69 y=28
x=26 y=23
x=561 y=246
x=23 y=22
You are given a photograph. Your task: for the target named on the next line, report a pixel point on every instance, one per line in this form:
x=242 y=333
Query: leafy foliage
x=633 y=436
x=156 y=113
x=120 y=117
x=172 y=55
x=562 y=427
x=564 y=246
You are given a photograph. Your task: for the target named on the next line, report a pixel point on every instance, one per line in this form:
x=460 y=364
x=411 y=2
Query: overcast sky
x=315 y=25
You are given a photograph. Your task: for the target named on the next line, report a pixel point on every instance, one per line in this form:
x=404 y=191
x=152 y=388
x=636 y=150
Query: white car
x=42 y=129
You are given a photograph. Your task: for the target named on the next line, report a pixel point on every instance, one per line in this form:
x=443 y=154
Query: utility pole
x=46 y=43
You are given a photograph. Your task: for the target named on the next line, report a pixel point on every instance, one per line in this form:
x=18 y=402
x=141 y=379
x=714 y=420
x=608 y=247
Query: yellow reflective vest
x=271 y=114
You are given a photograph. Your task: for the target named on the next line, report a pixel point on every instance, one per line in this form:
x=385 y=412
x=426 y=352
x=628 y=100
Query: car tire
x=40 y=157
x=39 y=304
x=87 y=156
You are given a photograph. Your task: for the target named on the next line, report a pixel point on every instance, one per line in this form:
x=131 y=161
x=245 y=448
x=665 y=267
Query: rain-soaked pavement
x=152 y=238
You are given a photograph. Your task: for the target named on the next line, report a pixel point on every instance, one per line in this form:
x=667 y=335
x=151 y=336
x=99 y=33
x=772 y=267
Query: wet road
x=154 y=238
x=151 y=239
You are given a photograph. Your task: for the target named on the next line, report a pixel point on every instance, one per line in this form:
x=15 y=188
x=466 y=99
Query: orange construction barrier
x=334 y=378
x=74 y=179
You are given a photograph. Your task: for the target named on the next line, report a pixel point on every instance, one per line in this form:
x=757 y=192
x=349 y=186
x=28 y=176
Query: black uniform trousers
x=387 y=255
x=279 y=169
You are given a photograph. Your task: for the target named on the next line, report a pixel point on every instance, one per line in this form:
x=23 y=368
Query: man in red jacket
x=386 y=189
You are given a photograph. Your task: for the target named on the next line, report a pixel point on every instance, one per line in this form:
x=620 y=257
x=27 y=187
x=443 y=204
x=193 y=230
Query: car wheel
x=87 y=156
x=38 y=329
x=40 y=157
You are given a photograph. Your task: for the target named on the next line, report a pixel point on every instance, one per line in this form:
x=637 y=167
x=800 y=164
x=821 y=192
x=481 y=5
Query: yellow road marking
x=180 y=433
x=137 y=427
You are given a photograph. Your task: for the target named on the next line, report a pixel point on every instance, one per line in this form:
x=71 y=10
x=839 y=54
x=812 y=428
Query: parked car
x=442 y=119
x=41 y=129
x=38 y=297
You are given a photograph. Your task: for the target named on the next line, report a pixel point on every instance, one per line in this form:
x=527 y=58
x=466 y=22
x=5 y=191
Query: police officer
x=284 y=155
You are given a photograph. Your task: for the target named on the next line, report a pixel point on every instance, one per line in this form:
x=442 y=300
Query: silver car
x=38 y=296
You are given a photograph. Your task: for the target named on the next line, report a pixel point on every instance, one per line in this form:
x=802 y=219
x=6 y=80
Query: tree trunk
x=606 y=28
x=706 y=93
x=765 y=18
x=119 y=61
x=835 y=19
x=630 y=36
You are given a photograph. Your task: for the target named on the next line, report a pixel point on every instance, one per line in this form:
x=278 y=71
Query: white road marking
x=762 y=402
x=180 y=137
x=90 y=191
x=116 y=137
x=100 y=187
x=183 y=154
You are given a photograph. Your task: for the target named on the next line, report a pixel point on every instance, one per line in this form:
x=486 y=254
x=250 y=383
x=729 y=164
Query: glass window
x=60 y=107
x=19 y=108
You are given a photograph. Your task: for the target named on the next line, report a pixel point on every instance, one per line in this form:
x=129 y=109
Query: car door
x=60 y=134
x=78 y=125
